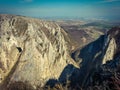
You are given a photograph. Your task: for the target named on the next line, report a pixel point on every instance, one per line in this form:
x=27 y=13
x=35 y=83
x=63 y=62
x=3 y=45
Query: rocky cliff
x=35 y=53
x=32 y=51
x=107 y=76
x=103 y=52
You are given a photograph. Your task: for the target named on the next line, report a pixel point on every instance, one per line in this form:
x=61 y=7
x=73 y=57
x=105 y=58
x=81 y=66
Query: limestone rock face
x=31 y=51
x=98 y=53
x=110 y=51
x=111 y=45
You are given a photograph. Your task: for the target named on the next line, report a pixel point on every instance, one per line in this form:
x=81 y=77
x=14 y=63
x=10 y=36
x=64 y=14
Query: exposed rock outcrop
x=107 y=76
x=32 y=51
x=111 y=45
x=98 y=53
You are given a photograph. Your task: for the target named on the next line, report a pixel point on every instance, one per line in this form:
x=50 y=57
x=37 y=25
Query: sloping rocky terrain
x=99 y=59
x=36 y=53
x=31 y=52
x=82 y=32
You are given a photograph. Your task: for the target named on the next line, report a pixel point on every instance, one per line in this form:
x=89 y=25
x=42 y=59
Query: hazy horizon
x=90 y=9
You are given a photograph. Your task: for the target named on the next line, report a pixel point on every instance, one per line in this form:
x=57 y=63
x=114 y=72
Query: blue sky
x=109 y=9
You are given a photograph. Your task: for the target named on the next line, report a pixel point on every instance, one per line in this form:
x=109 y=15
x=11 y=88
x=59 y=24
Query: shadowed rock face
x=96 y=54
x=31 y=51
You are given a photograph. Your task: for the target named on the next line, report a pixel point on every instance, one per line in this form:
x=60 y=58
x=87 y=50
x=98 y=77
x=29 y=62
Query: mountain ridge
x=31 y=51
x=36 y=53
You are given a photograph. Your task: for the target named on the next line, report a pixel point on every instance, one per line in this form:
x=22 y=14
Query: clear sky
x=109 y=9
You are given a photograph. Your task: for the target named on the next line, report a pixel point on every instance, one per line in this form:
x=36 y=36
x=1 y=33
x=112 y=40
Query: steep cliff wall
x=31 y=51
x=96 y=54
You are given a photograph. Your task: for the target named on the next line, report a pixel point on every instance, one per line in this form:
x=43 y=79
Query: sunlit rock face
x=111 y=48
x=32 y=51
